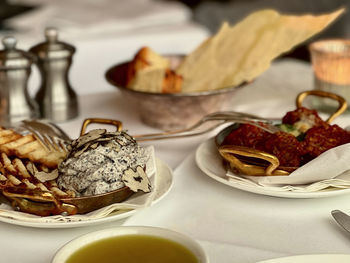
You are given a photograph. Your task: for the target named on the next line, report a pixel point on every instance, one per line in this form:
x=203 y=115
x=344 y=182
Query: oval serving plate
x=210 y=163
x=317 y=258
x=163 y=184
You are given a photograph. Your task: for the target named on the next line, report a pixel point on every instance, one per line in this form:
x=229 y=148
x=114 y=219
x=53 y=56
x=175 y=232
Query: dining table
x=231 y=224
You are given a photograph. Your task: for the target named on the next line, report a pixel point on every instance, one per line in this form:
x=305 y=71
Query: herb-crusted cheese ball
x=100 y=161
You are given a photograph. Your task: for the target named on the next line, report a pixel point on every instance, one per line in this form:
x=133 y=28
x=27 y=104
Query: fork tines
x=46 y=135
x=48 y=141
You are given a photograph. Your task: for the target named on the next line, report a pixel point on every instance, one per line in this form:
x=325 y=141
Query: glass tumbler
x=331 y=66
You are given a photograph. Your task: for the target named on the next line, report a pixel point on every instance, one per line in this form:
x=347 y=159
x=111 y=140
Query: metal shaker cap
x=12 y=58
x=52 y=48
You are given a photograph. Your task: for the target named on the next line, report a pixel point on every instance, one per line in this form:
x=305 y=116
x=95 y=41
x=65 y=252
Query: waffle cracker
x=19 y=174
x=28 y=147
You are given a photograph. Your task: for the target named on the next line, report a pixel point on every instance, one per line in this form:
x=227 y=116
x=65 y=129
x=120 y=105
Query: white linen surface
x=237 y=226
x=80 y=18
x=232 y=225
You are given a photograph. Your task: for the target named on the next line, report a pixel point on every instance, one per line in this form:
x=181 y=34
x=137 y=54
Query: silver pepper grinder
x=56 y=98
x=15 y=69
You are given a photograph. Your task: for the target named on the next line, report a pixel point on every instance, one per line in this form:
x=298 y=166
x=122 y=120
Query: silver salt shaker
x=15 y=69
x=56 y=98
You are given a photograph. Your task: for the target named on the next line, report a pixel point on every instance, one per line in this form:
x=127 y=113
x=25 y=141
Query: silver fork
x=220 y=118
x=52 y=137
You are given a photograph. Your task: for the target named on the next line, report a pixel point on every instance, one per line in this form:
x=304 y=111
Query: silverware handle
x=175 y=134
x=220 y=118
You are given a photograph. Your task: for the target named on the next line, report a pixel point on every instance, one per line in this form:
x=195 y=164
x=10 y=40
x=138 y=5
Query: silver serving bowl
x=170 y=111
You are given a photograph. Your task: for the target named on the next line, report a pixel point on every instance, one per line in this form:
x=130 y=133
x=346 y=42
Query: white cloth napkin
x=330 y=169
x=136 y=201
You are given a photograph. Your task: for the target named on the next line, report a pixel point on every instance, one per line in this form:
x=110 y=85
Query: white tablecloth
x=252 y=227
x=105 y=33
x=232 y=225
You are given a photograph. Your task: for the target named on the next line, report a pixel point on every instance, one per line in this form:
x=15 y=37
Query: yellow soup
x=133 y=249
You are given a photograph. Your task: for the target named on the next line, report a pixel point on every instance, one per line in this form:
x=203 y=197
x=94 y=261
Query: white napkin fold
x=136 y=201
x=330 y=169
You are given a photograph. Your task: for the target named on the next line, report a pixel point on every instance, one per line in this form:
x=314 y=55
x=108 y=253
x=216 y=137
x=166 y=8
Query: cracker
x=240 y=53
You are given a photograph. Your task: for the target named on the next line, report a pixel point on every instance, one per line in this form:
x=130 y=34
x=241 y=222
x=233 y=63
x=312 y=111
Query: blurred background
x=106 y=32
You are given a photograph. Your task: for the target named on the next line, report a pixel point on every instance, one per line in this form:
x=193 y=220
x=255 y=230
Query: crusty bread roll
x=172 y=82
x=145 y=58
x=150 y=72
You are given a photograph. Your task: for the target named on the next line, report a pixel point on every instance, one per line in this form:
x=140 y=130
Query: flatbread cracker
x=240 y=53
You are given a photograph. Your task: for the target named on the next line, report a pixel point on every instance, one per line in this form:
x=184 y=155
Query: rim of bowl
x=322 y=46
x=110 y=80
x=75 y=244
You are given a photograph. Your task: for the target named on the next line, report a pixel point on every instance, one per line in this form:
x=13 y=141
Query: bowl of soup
x=132 y=244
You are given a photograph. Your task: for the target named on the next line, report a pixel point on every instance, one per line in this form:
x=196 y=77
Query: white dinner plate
x=164 y=184
x=321 y=258
x=210 y=162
